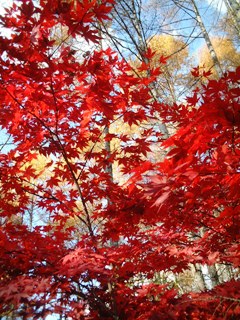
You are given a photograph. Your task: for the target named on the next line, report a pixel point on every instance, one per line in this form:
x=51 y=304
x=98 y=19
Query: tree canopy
x=80 y=242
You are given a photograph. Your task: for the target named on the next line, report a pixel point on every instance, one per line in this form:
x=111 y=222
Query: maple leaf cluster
x=93 y=247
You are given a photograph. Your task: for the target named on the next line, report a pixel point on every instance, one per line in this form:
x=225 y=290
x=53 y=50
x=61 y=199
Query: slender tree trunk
x=234 y=5
x=141 y=41
x=233 y=8
x=212 y=270
x=109 y=170
x=199 y=275
x=131 y=9
x=207 y=39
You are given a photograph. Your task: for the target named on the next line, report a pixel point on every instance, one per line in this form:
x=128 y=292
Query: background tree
x=228 y=56
x=233 y=7
x=172 y=82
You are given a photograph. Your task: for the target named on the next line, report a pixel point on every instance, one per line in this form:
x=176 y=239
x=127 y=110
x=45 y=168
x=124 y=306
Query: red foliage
x=185 y=211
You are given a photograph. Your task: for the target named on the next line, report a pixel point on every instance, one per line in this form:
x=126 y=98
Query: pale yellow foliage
x=39 y=163
x=60 y=35
x=169 y=46
x=227 y=54
x=166 y=46
x=174 y=73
